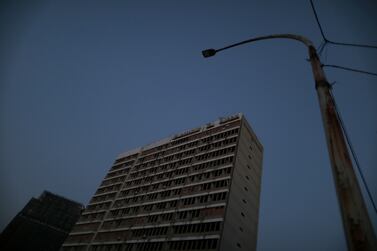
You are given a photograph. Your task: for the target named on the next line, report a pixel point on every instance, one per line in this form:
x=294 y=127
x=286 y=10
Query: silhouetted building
x=42 y=225
x=198 y=190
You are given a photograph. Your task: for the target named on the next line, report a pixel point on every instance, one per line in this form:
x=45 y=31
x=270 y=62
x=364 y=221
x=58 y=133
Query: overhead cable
x=348 y=140
x=333 y=42
x=349 y=69
x=319 y=24
x=355 y=45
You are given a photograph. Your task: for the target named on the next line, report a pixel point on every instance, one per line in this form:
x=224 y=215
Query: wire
x=348 y=140
x=355 y=45
x=319 y=24
x=333 y=42
x=350 y=69
x=320 y=48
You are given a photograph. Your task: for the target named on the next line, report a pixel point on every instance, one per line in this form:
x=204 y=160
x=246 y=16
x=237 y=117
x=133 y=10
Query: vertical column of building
x=187 y=149
x=131 y=216
x=241 y=219
x=173 y=211
x=201 y=209
x=101 y=234
x=94 y=215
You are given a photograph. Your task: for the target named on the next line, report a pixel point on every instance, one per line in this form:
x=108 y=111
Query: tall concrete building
x=43 y=224
x=197 y=190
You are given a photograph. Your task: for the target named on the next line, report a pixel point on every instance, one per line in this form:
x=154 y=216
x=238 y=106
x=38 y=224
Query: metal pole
x=356 y=223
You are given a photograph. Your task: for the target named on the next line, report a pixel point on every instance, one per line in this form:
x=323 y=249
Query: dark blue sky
x=82 y=81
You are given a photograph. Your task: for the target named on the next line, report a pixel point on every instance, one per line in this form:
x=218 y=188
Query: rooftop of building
x=210 y=125
x=52 y=196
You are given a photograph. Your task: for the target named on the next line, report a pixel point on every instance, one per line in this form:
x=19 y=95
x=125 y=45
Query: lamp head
x=209 y=53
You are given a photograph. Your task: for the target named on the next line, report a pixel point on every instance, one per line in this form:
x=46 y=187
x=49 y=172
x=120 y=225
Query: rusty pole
x=356 y=223
x=357 y=226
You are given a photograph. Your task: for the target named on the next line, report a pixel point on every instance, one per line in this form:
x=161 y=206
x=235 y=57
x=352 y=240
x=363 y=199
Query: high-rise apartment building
x=198 y=190
x=43 y=224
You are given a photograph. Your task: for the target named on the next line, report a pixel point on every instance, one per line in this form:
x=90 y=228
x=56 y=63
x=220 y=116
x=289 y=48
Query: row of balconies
x=113 y=178
x=117 y=173
x=204 y=157
x=107 y=189
x=180 y=161
x=170 y=230
x=206 y=132
x=200 y=212
x=178 y=155
x=140 y=185
x=163 y=196
x=191 y=189
x=126 y=158
x=200 y=243
x=172 y=146
x=205 y=199
x=187 y=188
x=110 y=192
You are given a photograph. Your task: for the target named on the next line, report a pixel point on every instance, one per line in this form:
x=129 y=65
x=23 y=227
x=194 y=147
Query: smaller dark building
x=42 y=225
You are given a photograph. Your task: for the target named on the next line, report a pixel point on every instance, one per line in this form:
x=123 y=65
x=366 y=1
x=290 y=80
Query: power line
x=320 y=47
x=350 y=69
x=348 y=140
x=319 y=24
x=333 y=42
x=355 y=45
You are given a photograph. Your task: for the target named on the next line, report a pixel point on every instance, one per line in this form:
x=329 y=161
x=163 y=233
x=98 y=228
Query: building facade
x=43 y=224
x=198 y=190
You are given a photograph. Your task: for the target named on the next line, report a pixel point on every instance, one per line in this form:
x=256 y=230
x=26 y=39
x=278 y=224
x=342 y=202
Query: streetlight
x=356 y=223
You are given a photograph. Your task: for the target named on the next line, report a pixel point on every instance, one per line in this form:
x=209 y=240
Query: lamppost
x=356 y=223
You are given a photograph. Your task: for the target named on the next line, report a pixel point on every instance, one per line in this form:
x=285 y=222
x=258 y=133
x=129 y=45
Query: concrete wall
x=241 y=218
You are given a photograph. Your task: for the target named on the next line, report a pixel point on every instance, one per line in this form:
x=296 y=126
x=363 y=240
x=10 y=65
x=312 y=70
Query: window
x=195 y=213
x=189 y=201
x=197 y=228
x=173 y=203
x=161 y=205
x=148 y=207
x=155 y=186
x=182 y=215
x=206 y=186
x=203 y=199
x=152 y=218
x=177 y=191
x=218 y=196
x=167 y=216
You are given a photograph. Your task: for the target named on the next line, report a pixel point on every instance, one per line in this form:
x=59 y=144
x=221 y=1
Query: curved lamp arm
x=211 y=52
